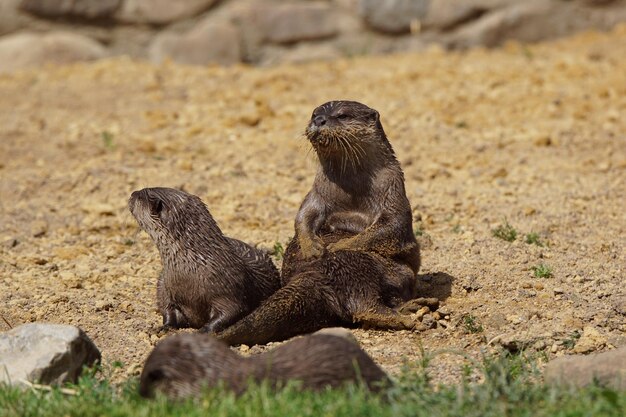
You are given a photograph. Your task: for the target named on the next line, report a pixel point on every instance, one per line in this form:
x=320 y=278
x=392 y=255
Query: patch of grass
x=510 y=388
x=278 y=251
x=418 y=231
x=129 y=242
x=532 y=238
x=505 y=232
x=542 y=271
x=571 y=340
x=107 y=140
x=471 y=324
x=457 y=228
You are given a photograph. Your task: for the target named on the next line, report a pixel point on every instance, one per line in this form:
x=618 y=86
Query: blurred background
x=267 y=32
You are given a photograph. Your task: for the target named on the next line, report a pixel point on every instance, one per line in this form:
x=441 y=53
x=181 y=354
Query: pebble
x=558 y=290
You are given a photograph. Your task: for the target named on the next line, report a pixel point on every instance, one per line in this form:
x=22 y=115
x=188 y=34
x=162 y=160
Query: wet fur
x=354 y=256
x=183 y=365
x=208 y=280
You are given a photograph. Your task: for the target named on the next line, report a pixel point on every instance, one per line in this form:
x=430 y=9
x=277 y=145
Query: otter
x=354 y=257
x=183 y=365
x=208 y=280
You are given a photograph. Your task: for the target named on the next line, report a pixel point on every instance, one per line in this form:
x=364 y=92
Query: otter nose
x=319 y=120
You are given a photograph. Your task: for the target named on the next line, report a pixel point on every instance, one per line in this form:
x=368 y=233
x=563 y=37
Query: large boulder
x=10 y=17
x=45 y=353
x=161 y=12
x=447 y=14
x=89 y=9
x=393 y=16
x=209 y=42
x=524 y=21
x=608 y=368
x=291 y=23
x=24 y=50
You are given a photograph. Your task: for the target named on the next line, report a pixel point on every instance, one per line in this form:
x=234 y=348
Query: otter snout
x=320 y=120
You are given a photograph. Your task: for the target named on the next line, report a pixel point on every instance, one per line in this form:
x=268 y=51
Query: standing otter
x=208 y=280
x=354 y=256
x=182 y=365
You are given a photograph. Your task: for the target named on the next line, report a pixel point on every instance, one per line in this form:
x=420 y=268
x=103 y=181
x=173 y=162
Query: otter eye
x=342 y=116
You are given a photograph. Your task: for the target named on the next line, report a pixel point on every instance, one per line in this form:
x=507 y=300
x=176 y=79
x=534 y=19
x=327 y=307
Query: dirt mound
x=530 y=135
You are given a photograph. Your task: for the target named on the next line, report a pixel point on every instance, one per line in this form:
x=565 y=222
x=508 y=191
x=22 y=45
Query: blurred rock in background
x=266 y=32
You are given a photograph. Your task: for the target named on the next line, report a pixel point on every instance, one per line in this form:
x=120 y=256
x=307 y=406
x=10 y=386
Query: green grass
x=107 y=139
x=505 y=232
x=542 y=271
x=278 y=251
x=532 y=238
x=509 y=388
x=471 y=324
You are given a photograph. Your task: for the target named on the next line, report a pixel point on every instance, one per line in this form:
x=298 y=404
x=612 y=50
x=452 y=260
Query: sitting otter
x=354 y=256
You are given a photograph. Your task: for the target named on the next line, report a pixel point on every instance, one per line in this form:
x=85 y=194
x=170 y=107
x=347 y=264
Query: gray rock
x=527 y=21
x=161 y=11
x=24 y=50
x=45 y=353
x=339 y=332
x=90 y=9
x=291 y=23
x=208 y=42
x=446 y=14
x=393 y=16
x=608 y=368
x=10 y=18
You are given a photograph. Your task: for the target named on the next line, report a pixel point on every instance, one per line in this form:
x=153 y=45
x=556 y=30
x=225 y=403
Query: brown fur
x=354 y=256
x=208 y=280
x=182 y=365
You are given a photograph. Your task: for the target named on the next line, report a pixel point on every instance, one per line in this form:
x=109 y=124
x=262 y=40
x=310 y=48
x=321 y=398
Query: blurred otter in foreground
x=208 y=280
x=185 y=364
x=354 y=257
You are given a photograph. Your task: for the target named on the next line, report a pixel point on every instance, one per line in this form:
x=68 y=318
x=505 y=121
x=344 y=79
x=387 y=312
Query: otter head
x=172 y=218
x=182 y=365
x=347 y=131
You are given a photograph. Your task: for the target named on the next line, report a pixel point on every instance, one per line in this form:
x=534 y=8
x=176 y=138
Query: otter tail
x=303 y=306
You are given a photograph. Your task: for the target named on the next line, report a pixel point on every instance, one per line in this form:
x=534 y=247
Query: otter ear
x=156 y=207
x=375 y=116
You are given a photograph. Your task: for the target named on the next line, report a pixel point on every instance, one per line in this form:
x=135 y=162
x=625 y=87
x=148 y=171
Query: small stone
x=45 y=354
x=554 y=348
x=445 y=310
x=103 y=305
x=437 y=316
x=244 y=348
x=558 y=290
x=339 y=332
x=538 y=286
x=428 y=321
x=543 y=140
x=608 y=368
x=591 y=340
x=421 y=312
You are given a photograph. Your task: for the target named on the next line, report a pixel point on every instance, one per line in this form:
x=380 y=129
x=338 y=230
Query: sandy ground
x=534 y=134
